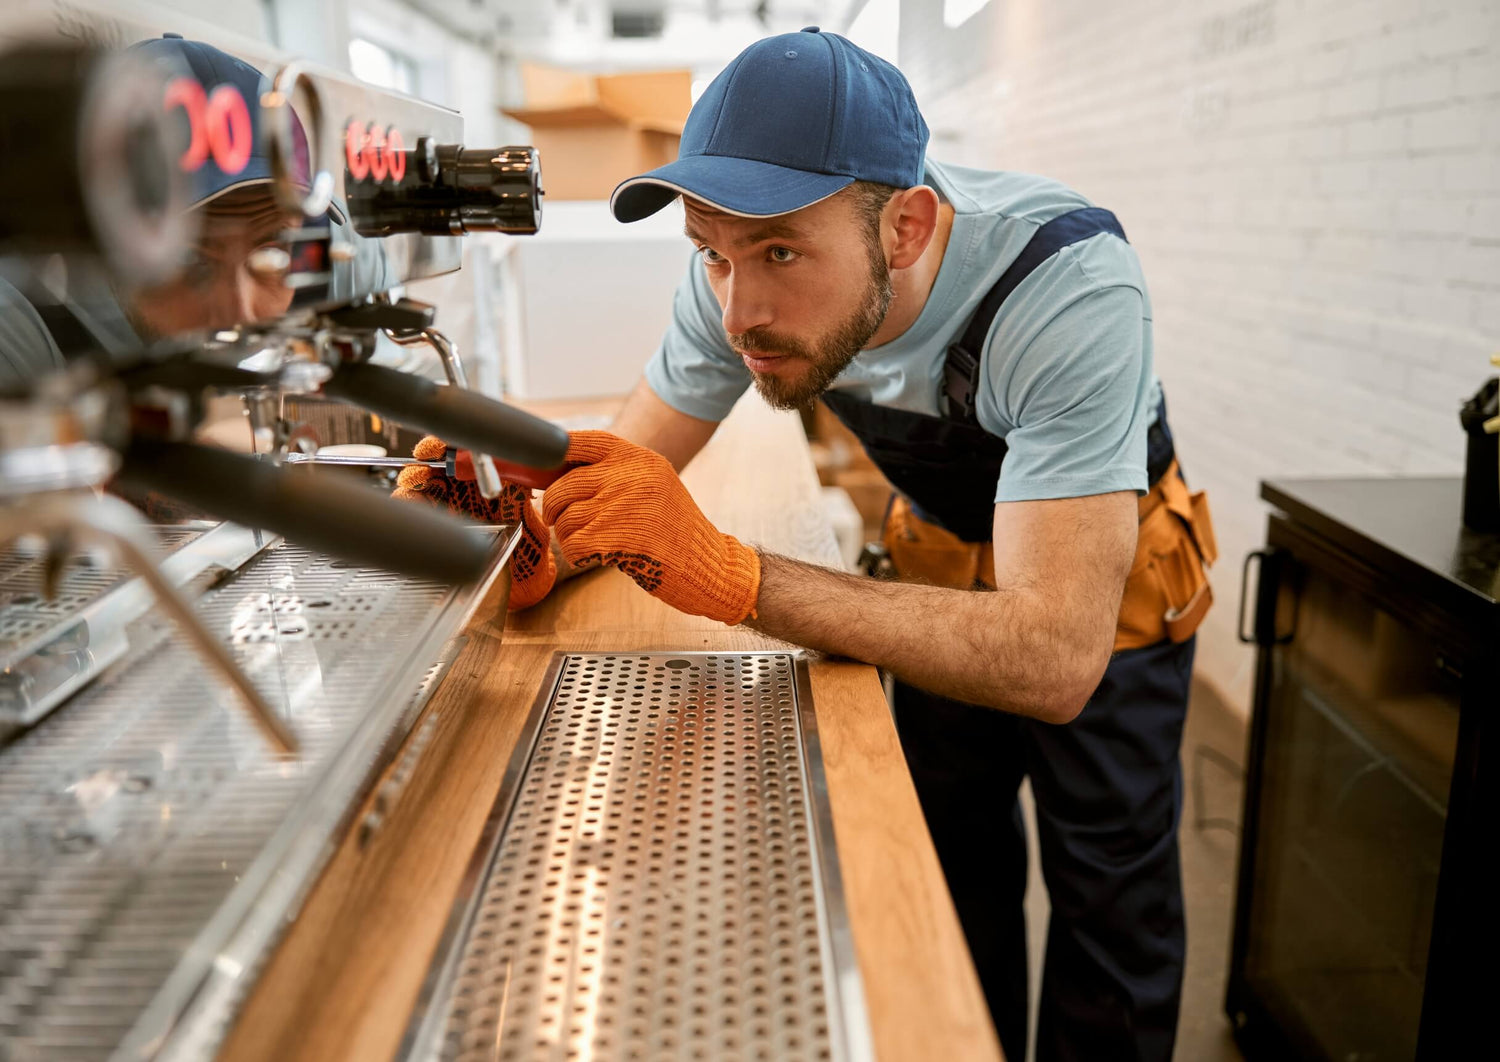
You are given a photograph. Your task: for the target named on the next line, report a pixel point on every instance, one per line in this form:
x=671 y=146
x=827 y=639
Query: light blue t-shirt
x=1066 y=374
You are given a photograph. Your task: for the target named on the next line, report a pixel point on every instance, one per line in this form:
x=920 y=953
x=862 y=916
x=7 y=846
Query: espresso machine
x=206 y=656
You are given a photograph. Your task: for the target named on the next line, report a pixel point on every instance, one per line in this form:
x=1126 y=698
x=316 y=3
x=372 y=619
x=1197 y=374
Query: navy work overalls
x=1107 y=785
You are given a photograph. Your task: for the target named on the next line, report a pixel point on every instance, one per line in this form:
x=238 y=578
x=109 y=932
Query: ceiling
x=536 y=25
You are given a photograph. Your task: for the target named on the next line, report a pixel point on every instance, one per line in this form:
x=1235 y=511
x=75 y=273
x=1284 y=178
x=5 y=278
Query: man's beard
x=828 y=358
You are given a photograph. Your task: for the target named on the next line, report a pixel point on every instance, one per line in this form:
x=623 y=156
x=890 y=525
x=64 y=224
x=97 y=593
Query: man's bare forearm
x=647 y=421
x=1011 y=649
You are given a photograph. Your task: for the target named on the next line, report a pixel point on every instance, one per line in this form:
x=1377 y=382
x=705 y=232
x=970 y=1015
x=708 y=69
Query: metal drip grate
x=26 y=611
x=660 y=883
x=151 y=844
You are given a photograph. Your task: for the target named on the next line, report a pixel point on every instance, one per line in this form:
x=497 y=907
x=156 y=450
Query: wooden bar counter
x=344 y=980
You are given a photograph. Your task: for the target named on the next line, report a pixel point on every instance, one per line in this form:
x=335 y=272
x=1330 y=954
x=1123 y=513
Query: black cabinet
x=1362 y=927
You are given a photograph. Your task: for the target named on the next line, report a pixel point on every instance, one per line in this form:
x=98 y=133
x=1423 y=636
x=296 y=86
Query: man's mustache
x=757 y=342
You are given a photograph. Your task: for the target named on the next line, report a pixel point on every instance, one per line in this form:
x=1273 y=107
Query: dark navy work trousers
x=1108 y=790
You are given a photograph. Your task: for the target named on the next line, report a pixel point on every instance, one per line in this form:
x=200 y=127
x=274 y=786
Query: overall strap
x=961 y=369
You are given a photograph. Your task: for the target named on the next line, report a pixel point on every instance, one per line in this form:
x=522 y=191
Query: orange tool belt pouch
x=1167 y=593
x=923 y=552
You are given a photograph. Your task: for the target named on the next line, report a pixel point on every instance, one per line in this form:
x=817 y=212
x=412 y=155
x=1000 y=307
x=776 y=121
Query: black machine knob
x=404 y=315
x=464 y=418
x=450 y=190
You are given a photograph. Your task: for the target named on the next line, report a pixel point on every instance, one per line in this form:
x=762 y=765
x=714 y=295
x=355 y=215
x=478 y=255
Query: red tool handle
x=461 y=464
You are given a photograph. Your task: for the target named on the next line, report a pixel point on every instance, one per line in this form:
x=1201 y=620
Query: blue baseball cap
x=792 y=120
x=211 y=68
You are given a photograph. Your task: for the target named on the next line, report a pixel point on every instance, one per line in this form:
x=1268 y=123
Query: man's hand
x=625 y=507
x=532 y=569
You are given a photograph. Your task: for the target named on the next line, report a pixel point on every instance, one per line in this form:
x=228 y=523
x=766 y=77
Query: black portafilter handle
x=462 y=418
x=450 y=190
x=344 y=519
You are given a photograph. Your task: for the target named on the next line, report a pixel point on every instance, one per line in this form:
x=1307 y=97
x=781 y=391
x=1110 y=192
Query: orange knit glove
x=532 y=569
x=624 y=506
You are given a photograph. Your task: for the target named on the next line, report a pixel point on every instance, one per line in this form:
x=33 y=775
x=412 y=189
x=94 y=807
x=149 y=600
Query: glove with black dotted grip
x=532 y=568
x=624 y=506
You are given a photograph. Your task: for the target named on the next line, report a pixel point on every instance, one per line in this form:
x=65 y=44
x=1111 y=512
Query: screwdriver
x=458 y=464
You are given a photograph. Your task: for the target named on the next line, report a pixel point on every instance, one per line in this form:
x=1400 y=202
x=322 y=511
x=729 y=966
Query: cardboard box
x=595 y=131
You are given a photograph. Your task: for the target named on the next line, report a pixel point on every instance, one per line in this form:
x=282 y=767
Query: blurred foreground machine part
x=88 y=153
x=178 y=225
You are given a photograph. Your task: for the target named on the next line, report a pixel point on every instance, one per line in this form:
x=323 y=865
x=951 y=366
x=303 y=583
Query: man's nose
x=244 y=295
x=745 y=306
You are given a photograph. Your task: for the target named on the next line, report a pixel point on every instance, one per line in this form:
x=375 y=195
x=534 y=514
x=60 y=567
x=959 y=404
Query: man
x=225 y=281
x=834 y=260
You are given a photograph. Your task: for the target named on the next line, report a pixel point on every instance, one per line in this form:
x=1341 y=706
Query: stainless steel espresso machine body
x=190 y=708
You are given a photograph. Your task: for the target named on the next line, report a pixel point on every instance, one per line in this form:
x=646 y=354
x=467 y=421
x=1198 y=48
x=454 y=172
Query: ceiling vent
x=629 y=23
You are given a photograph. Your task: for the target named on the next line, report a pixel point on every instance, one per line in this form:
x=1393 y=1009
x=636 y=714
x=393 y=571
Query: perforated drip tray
x=152 y=847
x=658 y=878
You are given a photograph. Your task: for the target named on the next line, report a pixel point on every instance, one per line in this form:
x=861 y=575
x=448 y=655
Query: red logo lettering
x=374 y=153
x=375 y=156
x=218 y=125
x=396 y=155
x=229 y=134
x=354 y=151
x=186 y=93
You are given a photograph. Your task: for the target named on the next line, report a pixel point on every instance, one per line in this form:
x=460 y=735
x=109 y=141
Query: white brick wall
x=1314 y=189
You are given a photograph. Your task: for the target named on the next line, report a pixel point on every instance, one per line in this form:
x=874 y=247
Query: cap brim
x=334 y=211
x=225 y=189
x=746 y=187
x=210 y=182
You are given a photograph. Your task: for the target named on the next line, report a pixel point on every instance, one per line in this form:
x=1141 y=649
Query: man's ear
x=912 y=215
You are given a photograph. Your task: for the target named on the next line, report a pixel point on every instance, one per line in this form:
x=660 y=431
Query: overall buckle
x=961 y=383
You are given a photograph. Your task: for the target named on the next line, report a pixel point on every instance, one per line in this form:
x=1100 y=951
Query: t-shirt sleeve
x=695 y=371
x=27 y=350
x=1076 y=398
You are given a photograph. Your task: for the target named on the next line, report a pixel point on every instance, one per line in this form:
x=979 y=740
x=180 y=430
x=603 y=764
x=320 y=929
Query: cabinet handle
x=1255 y=555
x=1263 y=629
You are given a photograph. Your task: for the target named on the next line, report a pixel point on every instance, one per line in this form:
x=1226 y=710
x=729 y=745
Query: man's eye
x=199 y=272
x=269 y=263
x=783 y=254
x=709 y=255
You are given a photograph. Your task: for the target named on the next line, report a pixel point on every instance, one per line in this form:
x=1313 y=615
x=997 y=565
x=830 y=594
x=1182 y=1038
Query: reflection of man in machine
x=230 y=277
x=219 y=285
x=236 y=271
